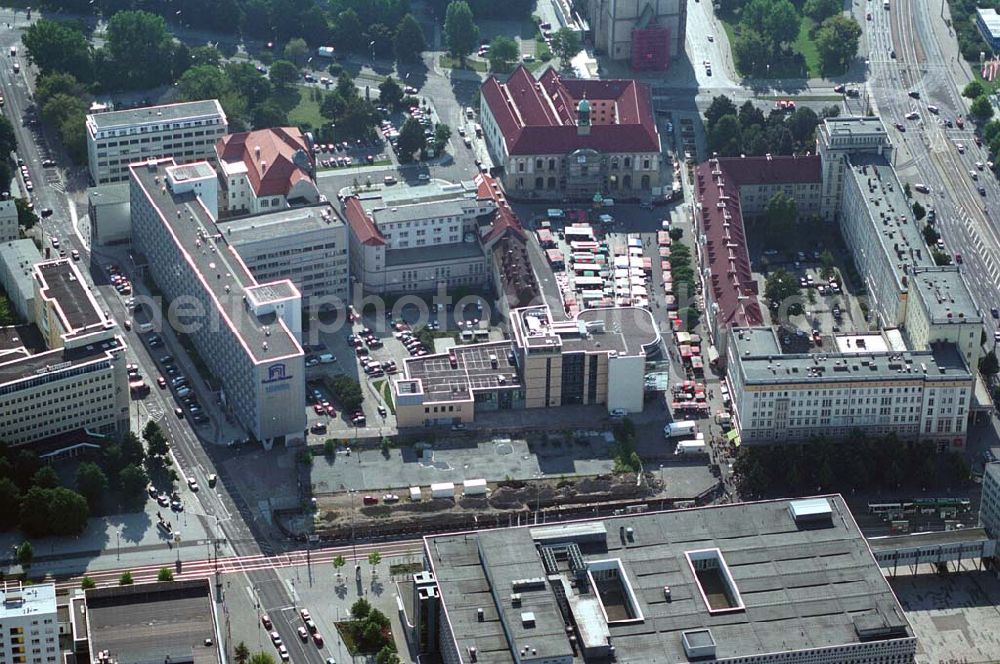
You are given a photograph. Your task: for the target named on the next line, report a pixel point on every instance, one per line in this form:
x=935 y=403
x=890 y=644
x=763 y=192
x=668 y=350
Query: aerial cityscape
x=553 y=332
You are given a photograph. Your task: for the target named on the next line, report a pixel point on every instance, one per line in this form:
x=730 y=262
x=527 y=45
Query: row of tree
x=746 y=131
x=859 y=463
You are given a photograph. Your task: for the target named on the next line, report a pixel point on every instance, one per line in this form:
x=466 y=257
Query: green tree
x=827 y=264
x=283 y=74
x=68 y=512
x=132 y=480
x=296 y=51
x=409 y=42
x=248 y=82
x=45 y=478
x=165 y=574
x=26 y=217
x=782 y=214
x=721 y=106
x=387 y=655
x=349 y=33
x=138 y=51
x=347 y=392
x=988 y=364
x=918 y=211
x=940 y=257
x=776 y=20
x=262 y=658
x=724 y=137
x=332 y=106
x=125 y=579
x=346 y=87
x=837 y=43
x=241 y=654
x=974 y=89
x=802 y=124
x=981 y=108
x=58 y=47
x=442 y=133
x=780 y=285
x=374 y=558
x=752 y=51
x=390 y=93
x=338 y=564
x=10 y=496
x=820 y=10
x=91 y=482
x=411 y=139
x=460 y=32
x=205 y=55
x=503 y=53
x=156 y=440
x=360 y=609
x=24 y=554
x=86 y=583
x=931 y=236
x=565 y=45
x=203 y=82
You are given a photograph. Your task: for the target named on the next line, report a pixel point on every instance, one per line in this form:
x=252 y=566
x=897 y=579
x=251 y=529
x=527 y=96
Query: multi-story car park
x=186 y=131
x=784 y=581
x=558 y=138
x=414 y=238
x=79 y=385
x=246 y=332
x=866 y=383
x=29 y=623
x=308 y=245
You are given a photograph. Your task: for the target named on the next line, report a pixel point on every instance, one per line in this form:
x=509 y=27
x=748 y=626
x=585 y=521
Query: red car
x=265 y=621
x=318 y=639
x=370 y=500
x=331 y=411
x=162 y=382
x=318 y=408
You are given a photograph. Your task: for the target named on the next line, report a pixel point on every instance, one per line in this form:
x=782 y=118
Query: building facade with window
x=414 y=239
x=248 y=332
x=186 y=131
x=29 y=624
x=865 y=383
x=560 y=139
x=265 y=170
x=78 y=384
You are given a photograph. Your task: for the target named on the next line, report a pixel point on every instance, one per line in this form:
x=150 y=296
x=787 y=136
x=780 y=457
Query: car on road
x=265 y=620
x=960 y=147
x=912 y=115
x=176 y=505
x=318 y=639
x=370 y=500
x=982 y=191
x=305 y=614
x=303 y=633
x=275 y=638
x=283 y=652
x=618 y=413
x=995 y=312
x=212 y=479
x=192 y=483
x=179 y=412
x=900 y=126
x=45 y=212
x=163 y=500
x=162 y=382
x=200 y=418
x=933 y=109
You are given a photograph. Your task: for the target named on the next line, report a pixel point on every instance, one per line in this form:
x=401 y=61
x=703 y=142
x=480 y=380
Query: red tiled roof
x=361 y=224
x=718 y=181
x=273 y=172
x=504 y=220
x=539 y=117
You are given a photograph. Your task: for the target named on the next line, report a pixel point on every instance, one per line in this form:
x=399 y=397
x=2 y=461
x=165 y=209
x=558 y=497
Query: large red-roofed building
x=561 y=138
x=727 y=190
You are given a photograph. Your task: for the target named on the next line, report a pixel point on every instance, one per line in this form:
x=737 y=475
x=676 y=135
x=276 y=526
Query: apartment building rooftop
x=942 y=361
x=619 y=330
x=897 y=230
x=273 y=159
x=433 y=253
x=60 y=282
x=275 y=225
x=108 y=194
x=719 y=582
x=148 y=115
x=153 y=622
x=442 y=379
x=17 y=601
x=20 y=366
x=215 y=262
x=847 y=127
x=945 y=295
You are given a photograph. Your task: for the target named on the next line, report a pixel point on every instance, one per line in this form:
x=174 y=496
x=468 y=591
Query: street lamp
x=371 y=45
x=118 y=541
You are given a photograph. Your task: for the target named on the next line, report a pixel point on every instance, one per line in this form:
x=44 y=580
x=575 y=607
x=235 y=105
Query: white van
x=326 y=358
x=682 y=428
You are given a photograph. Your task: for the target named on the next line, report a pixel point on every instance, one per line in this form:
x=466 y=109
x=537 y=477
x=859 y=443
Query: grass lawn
x=300 y=106
x=385 y=390
x=448 y=62
x=806 y=47
x=804 y=51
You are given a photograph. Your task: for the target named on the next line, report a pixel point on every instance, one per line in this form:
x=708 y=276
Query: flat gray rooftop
x=17 y=366
x=154 y=623
x=276 y=225
x=898 y=231
x=109 y=194
x=930 y=539
x=433 y=253
x=945 y=295
x=756 y=341
x=75 y=302
x=215 y=263
x=802 y=587
x=942 y=362
x=473 y=371
x=156 y=114
x=625 y=330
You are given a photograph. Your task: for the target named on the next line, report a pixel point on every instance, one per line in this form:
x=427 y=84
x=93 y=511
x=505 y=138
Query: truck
x=326 y=52
x=682 y=428
x=688 y=447
x=475 y=487
x=443 y=490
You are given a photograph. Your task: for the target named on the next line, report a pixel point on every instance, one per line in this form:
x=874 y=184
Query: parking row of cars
x=306 y=631
x=181 y=388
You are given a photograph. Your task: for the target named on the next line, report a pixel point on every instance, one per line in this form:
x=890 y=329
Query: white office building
x=867 y=383
x=77 y=384
x=308 y=245
x=415 y=238
x=186 y=131
x=839 y=138
x=989 y=504
x=17 y=263
x=29 y=624
x=108 y=212
x=248 y=332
